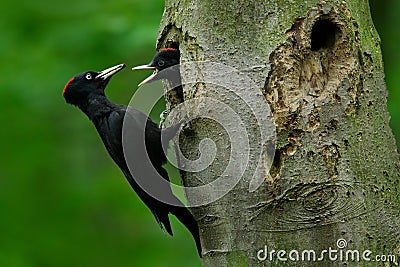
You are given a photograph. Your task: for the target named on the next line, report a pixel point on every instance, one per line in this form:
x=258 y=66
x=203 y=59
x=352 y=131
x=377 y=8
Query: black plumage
x=141 y=141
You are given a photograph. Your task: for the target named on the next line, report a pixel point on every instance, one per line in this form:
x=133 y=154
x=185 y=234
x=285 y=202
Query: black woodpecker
x=165 y=58
x=86 y=91
x=165 y=65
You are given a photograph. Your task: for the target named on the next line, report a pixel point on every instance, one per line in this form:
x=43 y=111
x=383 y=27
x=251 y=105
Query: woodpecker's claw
x=163 y=117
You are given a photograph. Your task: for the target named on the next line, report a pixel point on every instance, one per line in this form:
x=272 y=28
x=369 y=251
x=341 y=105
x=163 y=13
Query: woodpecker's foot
x=163 y=117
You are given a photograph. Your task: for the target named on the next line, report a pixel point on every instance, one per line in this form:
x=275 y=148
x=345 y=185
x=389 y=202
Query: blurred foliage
x=63 y=201
x=384 y=14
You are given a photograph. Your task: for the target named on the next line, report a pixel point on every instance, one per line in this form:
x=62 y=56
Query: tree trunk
x=333 y=183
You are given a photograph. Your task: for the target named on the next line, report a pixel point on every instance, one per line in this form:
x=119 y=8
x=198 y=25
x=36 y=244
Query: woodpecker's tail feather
x=184 y=216
x=174 y=206
x=163 y=221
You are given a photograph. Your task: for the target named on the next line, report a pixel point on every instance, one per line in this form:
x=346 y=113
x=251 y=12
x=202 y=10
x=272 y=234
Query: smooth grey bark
x=335 y=174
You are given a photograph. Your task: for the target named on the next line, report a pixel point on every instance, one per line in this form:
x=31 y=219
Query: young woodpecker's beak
x=146 y=67
x=104 y=74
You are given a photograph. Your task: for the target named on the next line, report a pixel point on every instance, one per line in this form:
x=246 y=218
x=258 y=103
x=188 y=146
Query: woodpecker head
x=164 y=59
x=87 y=83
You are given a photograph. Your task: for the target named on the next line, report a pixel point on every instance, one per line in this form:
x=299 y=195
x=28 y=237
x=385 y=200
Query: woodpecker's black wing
x=144 y=155
x=144 y=161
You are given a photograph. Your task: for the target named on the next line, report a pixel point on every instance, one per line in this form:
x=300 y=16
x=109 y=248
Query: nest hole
x=172 y=44
x=324 y=34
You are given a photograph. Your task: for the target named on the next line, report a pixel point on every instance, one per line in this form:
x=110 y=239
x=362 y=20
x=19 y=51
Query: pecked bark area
x=335 y=174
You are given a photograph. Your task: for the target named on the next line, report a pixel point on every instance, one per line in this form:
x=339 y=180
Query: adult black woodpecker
x=165 y=65
x=86 y=91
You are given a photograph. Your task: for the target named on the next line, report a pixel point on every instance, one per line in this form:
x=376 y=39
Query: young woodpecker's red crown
x=167 y=49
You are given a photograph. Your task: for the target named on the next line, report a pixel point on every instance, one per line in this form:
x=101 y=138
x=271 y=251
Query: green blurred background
x=63 y=202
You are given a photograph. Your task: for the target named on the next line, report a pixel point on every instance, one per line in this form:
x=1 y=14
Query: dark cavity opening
x=172 y=44
x=276 y=164
x=324 y=34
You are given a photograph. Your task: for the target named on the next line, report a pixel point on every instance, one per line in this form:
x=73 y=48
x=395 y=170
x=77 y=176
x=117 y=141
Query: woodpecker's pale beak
x=104 y=74
x=143 y=67
x=146 y=67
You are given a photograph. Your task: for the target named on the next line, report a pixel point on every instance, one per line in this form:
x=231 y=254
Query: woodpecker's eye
x=161 y=63
x=88 y=76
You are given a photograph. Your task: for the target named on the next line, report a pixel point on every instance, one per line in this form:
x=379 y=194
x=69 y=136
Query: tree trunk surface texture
x=335 y=173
